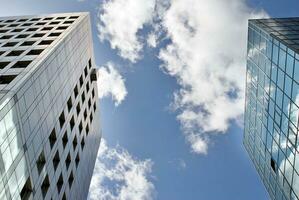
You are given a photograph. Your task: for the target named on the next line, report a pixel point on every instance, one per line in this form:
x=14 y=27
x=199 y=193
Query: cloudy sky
x=171 y=82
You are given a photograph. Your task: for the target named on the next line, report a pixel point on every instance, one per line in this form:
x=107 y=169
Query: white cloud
x=119 y=176
x=207 y=56
x=152 y=40
x=110 y=82
x=120 y=21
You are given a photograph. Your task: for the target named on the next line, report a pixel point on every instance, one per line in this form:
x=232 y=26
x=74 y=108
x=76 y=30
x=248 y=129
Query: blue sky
x=161 y=147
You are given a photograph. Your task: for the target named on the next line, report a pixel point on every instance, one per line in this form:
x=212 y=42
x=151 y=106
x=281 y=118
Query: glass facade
x=272 y=104
x=48 y=146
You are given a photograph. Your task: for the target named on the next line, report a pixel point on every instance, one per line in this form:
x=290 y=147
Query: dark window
x=68 y=22
x=27 y=24
x=56 y=160
x=59 y=183
x=6 y=37
x=38 y=35
x=27 y=43
x=87 y=87
x=32 y=29
x=6 y=79
x=15 y=53
x=273 y=164
x=35 y=19
x=71 y=179
x=78 y=108
x=77 y=159
x=68 y=160
x=75 y=142
x=45 y=42
x=22 y=20
x=13 y=25
x=81 y=81
x=26 y=190
x=72 y=123
x=2 y=52
x=85 y=71
x=48 y=18
x=92 y=93
x=85 y=114
x=80 y=127
x=89 y=63
x=90 y=117
x=47 y=28
x=74 y=17
x=89 y=103
x=69 y=104
x=40 y=23
x=82 y=144
x=94 y=106
x=3 y=64
x=22 y=36
x=61 y=119
x=76 y=91
x=83 y=96
x=61 y=28
x=41 y=161
x=3 y=30
x=54 y=34
x=10 y=44
x=35 y=52
x=87 y=129
x=45 y=186
x=64 y=140
x=55 y=22
x=17 y=30
x=60 y=18
x=21 y=64
x=52 y=138
x=9 y=20
x=64 y=197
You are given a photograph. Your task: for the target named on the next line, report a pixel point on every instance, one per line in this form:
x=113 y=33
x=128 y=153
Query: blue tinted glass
x=286 y=105
x=269 y=49
x=288 y=86
x=289 y=65
x=296 y=71
x=256 y=40
x=282 y=59
x=280 y=78
x=295 y=91
x=275 y=54
x=279 y=96
x=272 y=90
x=273 y=73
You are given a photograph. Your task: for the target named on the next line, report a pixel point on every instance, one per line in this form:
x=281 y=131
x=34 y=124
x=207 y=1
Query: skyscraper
x=49 y=119
x=272 y=104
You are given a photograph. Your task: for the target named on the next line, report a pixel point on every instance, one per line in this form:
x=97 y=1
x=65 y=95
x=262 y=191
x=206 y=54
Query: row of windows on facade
x=41 y=161
x=9 y=21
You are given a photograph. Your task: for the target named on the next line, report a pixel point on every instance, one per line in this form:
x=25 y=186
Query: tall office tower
x=49 y=120
x=272 y=104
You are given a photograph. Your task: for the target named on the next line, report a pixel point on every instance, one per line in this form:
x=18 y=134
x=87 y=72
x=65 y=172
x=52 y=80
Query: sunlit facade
x=49 y=118
x=272 y=104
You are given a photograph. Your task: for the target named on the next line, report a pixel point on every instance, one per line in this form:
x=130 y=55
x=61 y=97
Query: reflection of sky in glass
x=272 y=113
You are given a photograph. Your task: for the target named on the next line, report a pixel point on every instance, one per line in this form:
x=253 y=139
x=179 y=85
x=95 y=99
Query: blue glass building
x=272 y=104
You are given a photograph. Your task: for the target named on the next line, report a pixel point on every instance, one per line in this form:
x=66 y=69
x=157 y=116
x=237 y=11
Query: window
x=47 y=28
x=48 y=18
x=45 y=42
x=64 y=140
x=273 y=165
x=69 y=104
x=87 y=129
x=80 y=127
x=27 y=24
x=71 y=179
x=3 y=64
x=6 y=79
x=52 y=138
x=22 y=20
x=52 y=23
x=81 y=81
x=45 y=186
x=35 y=19
x=93 y=75
x=68 y=160
x=78 y=108
x=72 y=123
x=90 y=117
x=61 y=119
x=32 y=29
x=77 y=159
x=27 y=43
x=13 y=25
x=74 y=17
x=89 y=103
x=75 y=142
x=56 y=160
x=15 y=53
x=64 y=197
x=54 y=34
x=92 y=93
x=85 y=71
x=40 y=23
x=87 y=87
x=17 y=30
x=59 y=183
x=76 y=91
x=21 y=64
x=85 y=114
x=2 y=52
x=61 y=28
x=38 y=35
x=41 y=161
x=68 y=22
x=22 y=36
x=26 y=190
x=4 y=30
x=94 y=107
x=10 y=44
x=60 y=17
x=9 y=20
x=82 y=144
x=89 y=63
x=6 y=37
x=83 y=96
